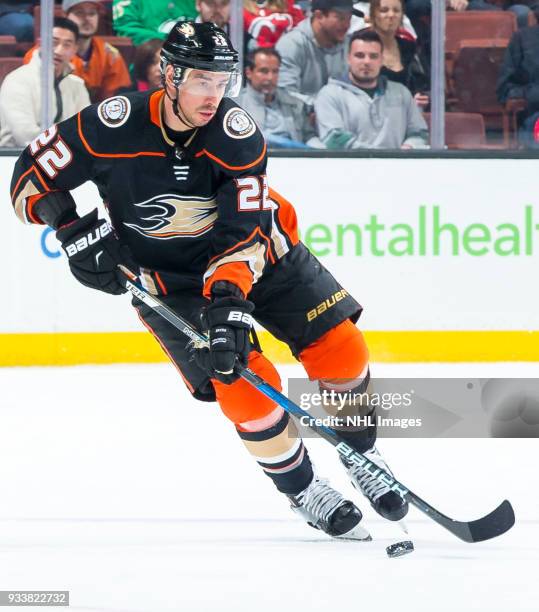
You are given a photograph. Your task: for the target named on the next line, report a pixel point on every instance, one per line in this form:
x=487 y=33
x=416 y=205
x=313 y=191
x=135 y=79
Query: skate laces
x=320 y=499
x=372 y=487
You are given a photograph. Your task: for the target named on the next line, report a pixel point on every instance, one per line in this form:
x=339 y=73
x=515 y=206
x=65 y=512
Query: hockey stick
x=494 y=524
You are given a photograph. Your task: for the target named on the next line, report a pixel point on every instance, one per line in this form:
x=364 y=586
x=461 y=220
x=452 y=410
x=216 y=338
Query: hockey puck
x=400 y=548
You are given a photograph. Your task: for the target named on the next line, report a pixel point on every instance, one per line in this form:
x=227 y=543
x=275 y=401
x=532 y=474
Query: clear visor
x=211 y=84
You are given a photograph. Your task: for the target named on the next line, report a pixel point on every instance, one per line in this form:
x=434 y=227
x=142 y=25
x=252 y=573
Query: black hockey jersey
x=191 y=215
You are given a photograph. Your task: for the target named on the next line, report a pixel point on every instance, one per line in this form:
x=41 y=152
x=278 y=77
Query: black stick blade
x=490 y=526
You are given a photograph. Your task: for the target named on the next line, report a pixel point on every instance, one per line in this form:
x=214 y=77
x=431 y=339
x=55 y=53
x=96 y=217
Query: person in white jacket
x=20 y=94
x=363 y=109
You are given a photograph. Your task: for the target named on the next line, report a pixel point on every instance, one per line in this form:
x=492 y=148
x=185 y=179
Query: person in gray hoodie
x=363 y=109
x=315 y=50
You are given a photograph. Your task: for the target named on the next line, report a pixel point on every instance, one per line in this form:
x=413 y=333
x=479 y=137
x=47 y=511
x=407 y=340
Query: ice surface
x=118 y=487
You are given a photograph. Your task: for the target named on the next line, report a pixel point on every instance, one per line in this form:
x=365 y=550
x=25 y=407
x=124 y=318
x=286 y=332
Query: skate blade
x=357 y=534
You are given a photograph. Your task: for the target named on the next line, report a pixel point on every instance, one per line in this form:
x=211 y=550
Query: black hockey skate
x=326 y=509
x=387 y=503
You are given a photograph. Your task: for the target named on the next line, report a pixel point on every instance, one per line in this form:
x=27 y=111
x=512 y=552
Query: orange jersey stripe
x=248 y=239
x=287 y=216
x=161 y=283
x=32 y=200
x=155 y=105
x=37 y=173
x=227 y=166
x=41 y=180
x=236 y=272
x=95 y=154
x=19 y=182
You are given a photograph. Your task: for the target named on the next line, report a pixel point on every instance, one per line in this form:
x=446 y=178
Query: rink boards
x=442 y=254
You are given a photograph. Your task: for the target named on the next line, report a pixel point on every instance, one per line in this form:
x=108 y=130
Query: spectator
x=420 y=8
x=366 y=110
x=267 y=20
x=282 y=118
x=361 y=19
x=16 y=18
x=146 y=65
x=143 y=20
x=519 y=77
x=522 y=9
x=401 y=62
x=214 y=11
x=315 y=50
x=20 y=94
x=100 y=64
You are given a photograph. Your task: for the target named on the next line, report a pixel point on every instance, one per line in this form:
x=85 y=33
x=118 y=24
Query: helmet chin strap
x=177 y=110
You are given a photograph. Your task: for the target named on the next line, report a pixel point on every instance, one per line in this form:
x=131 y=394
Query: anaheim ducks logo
x=187 y=29
x=172 y=216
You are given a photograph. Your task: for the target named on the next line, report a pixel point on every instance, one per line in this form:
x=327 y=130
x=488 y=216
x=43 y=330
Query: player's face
x=264 y=74
x=388 y=17
x=64 y=47
x=86 y=16
x=335 y=25
x=365 y=62
x=200 y=95
x=214 y=11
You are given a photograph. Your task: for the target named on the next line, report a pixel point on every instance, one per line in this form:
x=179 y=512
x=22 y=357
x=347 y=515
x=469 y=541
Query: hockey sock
x=280 y=452
x=350 y=401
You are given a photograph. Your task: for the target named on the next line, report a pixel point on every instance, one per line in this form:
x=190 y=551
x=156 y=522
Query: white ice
x=118 y=487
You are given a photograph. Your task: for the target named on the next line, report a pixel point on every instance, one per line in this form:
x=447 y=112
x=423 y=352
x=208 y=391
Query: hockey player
x=182 y=172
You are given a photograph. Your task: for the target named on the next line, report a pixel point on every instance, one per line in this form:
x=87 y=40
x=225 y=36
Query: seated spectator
x=265 y=21
x=315 y=50
x=519 y=76
x=282 y=118
x=20 y=94
x=17 y=19
x=146 y=65
x=401 y=62
x=99 y=63
x=143 y=20
x=420 y=8
x=364 y=109
x=522 y=9
x=214 y=11
x=361 y=19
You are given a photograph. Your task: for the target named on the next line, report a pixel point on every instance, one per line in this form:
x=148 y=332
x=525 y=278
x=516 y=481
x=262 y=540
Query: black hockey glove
x=94 y=253
x=228 y=322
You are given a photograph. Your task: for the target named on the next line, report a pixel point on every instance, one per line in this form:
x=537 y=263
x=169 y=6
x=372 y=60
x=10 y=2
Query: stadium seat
x=463 y=130
x=7 y=64
x=473 y=83
x=8 y=46
x=477 y=25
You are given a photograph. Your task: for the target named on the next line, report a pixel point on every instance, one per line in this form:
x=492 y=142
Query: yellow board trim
x=384 y=346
